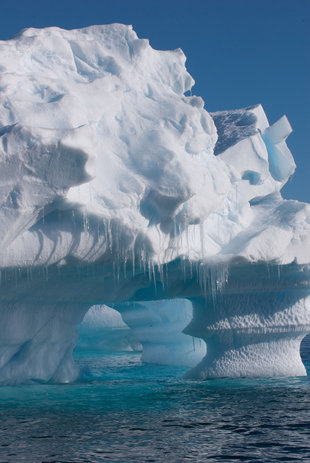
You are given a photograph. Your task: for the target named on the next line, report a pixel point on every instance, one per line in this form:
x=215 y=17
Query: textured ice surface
x=110 y=192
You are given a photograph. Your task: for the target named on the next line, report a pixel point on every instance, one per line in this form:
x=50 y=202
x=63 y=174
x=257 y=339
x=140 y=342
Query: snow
x=116 y=188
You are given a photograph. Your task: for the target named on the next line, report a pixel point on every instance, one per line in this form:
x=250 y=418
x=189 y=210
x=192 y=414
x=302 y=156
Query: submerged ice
x=117 y=188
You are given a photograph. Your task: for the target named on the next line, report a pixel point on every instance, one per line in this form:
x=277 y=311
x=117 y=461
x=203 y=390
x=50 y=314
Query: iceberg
x=118 y=188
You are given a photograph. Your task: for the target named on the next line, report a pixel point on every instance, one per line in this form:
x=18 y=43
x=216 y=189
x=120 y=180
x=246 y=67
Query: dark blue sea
x=124 y=411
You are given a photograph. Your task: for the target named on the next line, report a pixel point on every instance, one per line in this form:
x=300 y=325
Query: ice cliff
x=117 y=187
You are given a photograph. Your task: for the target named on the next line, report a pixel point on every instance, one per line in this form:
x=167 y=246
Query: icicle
x=161 y=274
x=154 y=276
x=197 y=272
x=125 y=267
x=143 y=260
x=183 y=265
x=190 y=269
x=212 y=279
x=133 y=257
x=166 y=278
x=202 y=250
x=109 y=235
x=187 y=240
x=268 y=270
x=114 y=271
x=117 y=271
x=149 y=270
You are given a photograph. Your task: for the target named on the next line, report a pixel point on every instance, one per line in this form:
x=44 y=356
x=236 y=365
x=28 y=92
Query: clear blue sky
x=240 y=52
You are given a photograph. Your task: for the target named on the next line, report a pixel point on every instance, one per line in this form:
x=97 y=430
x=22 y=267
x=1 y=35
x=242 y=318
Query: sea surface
x=125 y=411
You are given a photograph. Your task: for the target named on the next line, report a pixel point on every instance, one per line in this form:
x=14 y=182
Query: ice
x=37 y=341
x=117 y=189
x=281 y=161
x=153 y=327
x=159 y=328
x=251 y=334
x=103 y=329
x=238 y=124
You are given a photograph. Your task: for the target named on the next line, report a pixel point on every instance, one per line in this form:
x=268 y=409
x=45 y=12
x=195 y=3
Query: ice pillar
x=36 y=342
x=158 y=326
x=250 y=335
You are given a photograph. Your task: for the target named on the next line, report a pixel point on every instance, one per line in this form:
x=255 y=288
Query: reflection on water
x=125 y=411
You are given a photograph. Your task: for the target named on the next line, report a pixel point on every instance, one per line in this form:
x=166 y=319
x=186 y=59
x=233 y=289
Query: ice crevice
x=119 y=189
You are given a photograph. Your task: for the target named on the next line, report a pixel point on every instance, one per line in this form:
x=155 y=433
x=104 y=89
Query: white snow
x=115 y=186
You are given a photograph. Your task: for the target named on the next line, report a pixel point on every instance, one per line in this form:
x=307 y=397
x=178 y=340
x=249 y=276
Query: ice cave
x=126 y=205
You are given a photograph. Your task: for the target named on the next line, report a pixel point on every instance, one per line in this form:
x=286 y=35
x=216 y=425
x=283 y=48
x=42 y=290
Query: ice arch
x=153 y=327
x=252 y=318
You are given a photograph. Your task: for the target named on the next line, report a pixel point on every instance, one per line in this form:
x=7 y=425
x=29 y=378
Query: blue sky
x=240 y=52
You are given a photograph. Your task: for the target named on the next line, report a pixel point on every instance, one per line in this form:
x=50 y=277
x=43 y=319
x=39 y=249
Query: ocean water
x=124 y=411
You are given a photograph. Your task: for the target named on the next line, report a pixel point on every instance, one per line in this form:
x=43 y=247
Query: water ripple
x=129 y=412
